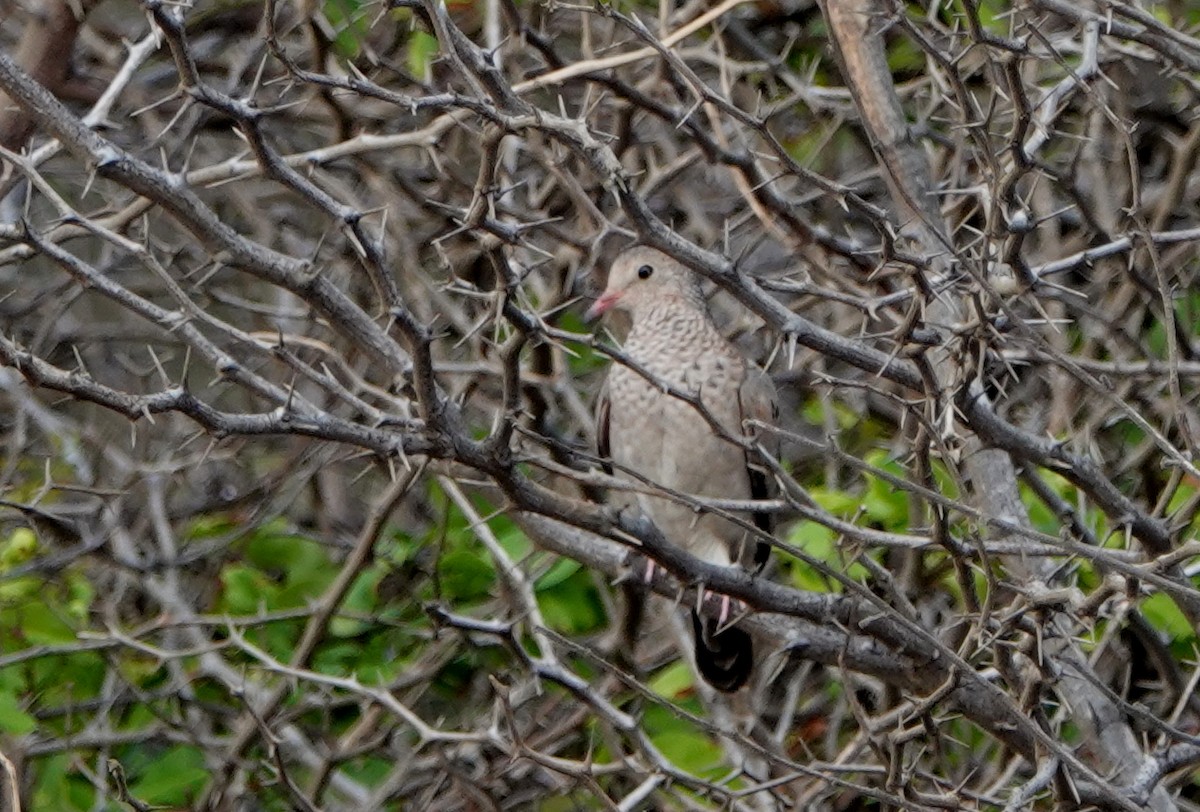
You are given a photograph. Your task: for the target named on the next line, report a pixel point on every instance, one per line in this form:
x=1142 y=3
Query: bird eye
x=644 y=272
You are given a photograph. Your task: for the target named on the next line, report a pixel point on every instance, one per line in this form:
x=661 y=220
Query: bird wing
x=603 y=435
x=757 y=400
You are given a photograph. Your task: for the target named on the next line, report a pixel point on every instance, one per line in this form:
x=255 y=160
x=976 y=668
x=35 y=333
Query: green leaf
x=993 y=16
x=41 y=625
x=673 y=681
x=841 y=503
x=905 y=56
x=246 y=590
x=1182 y=498
x=885 y=503
x=1165 y=616
x=685 y=745
x=573 y=605
x=59 y=787
x=465 y=575
x=346 y=16
x=13 y=718
x=359 y=600
x=397 y=548
x=280 y=570
x=171 y=779
x=814 y=408
x=80 y=596
x=18 y=591
x=561 y=570
x=514 y=542
x=18 y=548
x=300 y=559
x=339 y=658
x=422 y=50
x=817 y=541
x=375 y=659
x=209 y=527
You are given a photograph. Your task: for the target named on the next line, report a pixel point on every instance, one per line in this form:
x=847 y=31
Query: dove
x=645 y=431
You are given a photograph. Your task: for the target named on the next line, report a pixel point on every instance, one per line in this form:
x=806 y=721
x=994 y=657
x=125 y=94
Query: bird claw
x=723 y=617
x=724 y=614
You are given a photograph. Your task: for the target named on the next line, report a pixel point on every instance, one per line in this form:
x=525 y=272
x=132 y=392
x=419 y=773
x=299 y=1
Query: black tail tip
x=725 y=660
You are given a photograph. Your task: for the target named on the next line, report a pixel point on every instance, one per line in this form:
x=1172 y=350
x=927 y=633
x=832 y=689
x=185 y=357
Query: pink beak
x=602 y=305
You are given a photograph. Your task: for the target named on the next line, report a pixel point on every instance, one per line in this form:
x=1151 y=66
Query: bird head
x=643 y=275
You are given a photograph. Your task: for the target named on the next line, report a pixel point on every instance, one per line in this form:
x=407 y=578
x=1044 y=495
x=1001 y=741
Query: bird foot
x=727 y=602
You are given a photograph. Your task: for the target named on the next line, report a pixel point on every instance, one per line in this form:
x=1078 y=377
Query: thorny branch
x=317 y=277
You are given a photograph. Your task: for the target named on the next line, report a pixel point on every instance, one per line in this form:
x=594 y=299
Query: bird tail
x=725 y=658
x=631 y=625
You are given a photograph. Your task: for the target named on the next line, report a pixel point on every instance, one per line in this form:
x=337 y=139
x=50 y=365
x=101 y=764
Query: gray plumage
x=671 y=443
